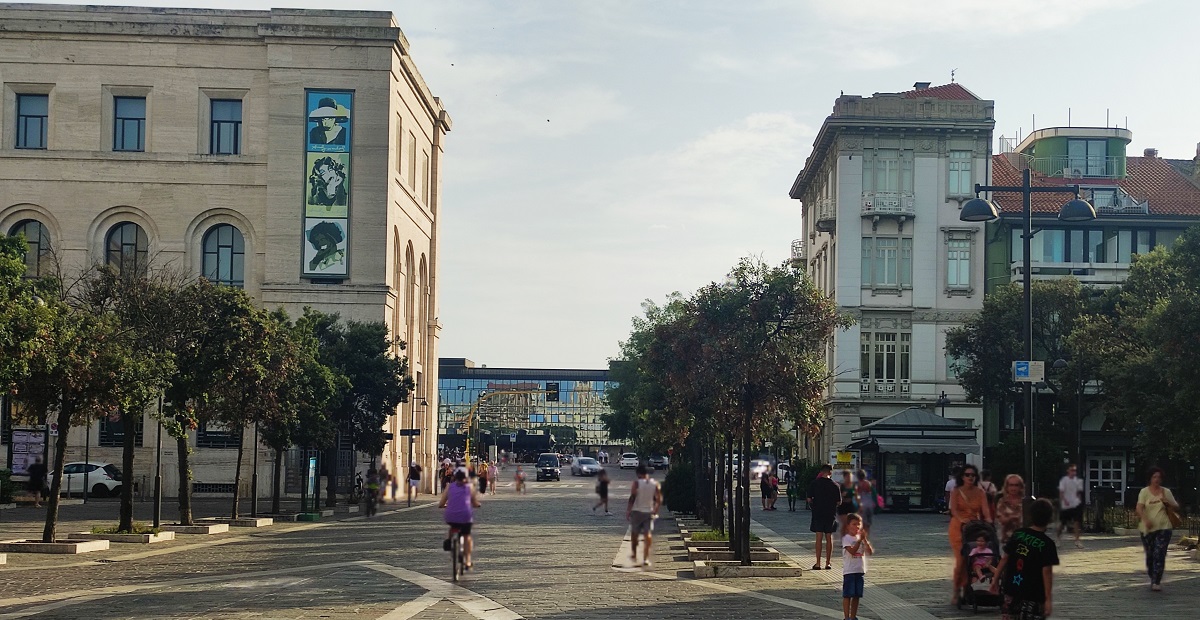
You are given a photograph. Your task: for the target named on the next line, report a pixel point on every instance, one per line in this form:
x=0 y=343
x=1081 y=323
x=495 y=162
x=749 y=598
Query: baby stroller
x=976 y=593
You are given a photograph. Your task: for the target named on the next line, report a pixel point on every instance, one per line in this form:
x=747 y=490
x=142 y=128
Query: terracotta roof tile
x=1149 y=179
x=952 y=91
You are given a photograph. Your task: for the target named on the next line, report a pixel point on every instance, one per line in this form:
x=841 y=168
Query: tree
x=1149 y=353
x=376 y=381
x=26 y=321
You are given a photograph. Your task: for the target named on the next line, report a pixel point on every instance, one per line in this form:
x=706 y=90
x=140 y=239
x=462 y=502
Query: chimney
x=921 y=85
x=1150 y=152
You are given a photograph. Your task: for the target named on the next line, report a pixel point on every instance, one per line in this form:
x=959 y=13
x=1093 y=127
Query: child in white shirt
x=855 y=548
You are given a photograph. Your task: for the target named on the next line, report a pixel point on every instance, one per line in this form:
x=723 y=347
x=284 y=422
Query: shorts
x=852 y=585
x=823 y=523
x=1071 y=515
x=465 y=528
x=845 y=508
x=414 y=483
x=1017 y=609
x=641 y=523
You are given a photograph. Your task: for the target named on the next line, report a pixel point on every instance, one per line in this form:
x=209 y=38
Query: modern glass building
x=508 y=404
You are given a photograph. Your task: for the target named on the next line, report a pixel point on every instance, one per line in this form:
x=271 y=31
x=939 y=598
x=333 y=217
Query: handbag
x=1173 y=515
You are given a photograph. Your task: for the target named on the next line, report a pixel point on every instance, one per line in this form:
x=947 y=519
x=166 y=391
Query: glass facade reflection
x=566 y=403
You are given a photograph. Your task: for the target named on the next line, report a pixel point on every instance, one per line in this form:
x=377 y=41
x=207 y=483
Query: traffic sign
x=1028 y=371
x=512 y=437
x=409 y=432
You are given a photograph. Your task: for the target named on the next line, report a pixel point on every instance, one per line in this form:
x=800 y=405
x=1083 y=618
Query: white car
x=585 y=466
x=104 y=479
x=758 y=467
x=629 y=460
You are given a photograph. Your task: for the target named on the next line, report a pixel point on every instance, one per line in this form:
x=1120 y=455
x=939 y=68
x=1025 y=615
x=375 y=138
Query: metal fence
x=1098 y=518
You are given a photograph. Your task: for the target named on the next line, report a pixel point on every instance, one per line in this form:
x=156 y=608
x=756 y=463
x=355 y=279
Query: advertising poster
x=28 y=445
x=325 y=247
x=327 y=176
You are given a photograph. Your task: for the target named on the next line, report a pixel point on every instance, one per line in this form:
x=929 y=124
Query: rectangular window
x=868 y=256
x=906 y=262
x=960 y=174
x=129 y=124
x=226 y=128
x=958 y=263
x=412 y=160
x=213 y=435
x=887 y=262
x=1087 y=158
x=885 y=359
x=425 y=178
x=112 y=433
x=1054 y=246
x=33 y=115
x=886 y=271
x=399 y=146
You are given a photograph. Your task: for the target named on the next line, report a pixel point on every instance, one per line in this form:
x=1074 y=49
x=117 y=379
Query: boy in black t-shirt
x=1028 y=568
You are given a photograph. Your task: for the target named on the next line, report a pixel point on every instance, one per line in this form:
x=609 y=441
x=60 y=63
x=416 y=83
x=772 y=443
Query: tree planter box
x=308 y=516
x=60 y=547
x=284 y=517
x=726 y=554
x=242 y=522
x=144 y=539
x=705 y=569
x=206 y=528
x=348 y=509
x=3 y=559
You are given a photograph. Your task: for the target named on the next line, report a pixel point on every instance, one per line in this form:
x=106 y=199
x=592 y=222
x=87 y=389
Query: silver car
x=585 y=466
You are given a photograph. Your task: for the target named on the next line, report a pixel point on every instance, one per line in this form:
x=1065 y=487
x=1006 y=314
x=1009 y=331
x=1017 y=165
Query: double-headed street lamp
x=982 y=210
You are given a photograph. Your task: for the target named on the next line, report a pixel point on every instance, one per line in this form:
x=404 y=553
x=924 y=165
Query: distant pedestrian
x=793 y=488
x=519 y=480
x=824 y=497
x=644 y=501
x=865 y=499
x=493 y=476
x=764 y=489
x=37 y=481
x=602 y=490
x=1070 y=498
x=1010 y=507
x=1155 y=504
x=483 y=478
x=385 y=480
x=967 y=503
x=1028 y=580
x=989 y=489
x=846 y=507
x=855 y=549
x=951 y=484
x=414 y=480
x=772 y=490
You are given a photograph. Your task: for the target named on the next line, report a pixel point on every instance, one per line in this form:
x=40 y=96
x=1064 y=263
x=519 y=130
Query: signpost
x=1029 y=371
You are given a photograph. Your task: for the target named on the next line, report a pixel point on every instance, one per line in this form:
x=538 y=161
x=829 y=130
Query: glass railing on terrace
x=1067 y=167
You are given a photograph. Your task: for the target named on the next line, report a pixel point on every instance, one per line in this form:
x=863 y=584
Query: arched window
x=38 y=255
x=126 y=247
x=225 y=256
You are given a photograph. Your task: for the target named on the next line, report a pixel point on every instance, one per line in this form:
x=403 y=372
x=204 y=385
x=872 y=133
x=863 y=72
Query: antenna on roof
x=952 y=71
x=1068 y=117
x=1106 y=118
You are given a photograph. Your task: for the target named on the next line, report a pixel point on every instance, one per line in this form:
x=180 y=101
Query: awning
x=919 y=445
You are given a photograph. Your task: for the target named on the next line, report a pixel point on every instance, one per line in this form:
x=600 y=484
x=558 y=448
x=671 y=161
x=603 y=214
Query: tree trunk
x=743 y=551
x=60 y=453
x=185 y=480
x=125 y=525
x=717 y=518
x=237 y=475
x=275 y=484
x=727 y=491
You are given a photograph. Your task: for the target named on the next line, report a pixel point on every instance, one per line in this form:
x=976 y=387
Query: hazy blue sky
x=606 y=152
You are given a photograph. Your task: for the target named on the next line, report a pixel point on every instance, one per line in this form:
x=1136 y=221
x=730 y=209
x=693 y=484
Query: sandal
x=817 y=566
x=828 y=567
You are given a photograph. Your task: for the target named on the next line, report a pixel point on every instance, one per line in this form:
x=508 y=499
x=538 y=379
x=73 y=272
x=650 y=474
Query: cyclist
x=372 y=491
x=460 y=499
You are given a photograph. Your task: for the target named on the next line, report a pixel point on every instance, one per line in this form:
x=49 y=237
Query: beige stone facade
x=79 y=179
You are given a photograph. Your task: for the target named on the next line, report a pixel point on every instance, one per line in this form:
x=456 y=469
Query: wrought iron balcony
x=888 y=203
x=825 y=214
x=797 y=250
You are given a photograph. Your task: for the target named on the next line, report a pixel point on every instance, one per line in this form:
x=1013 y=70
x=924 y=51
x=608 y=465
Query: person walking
x=793 y=489
x=989 y=489
x=772 y=491
x=1155 y=504
x=967 y=503
x=824 y=497
x=602 y=491
x=1070 y=498
x=864 y=495
x=846 y=507
x=414 y=480
x=483 y=477
x=385 y=480
x=1029 y=579
x=1010 y=507
x=764 y=488
x=37 y=481
x=855 y=549
x=493 y=476
x=644 y=502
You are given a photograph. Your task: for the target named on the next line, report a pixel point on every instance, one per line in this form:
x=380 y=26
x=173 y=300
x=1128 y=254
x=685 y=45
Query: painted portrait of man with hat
x=329 y=123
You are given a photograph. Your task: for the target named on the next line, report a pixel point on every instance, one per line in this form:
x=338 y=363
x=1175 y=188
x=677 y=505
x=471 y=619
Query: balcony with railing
x=888 y=203
x=825 y=214
x=1110 y=202
x=1096 y=167
x=798 y=251
x=1099 y=275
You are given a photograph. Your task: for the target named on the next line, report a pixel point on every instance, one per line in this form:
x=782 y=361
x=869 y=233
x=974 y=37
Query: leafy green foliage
x=679 y=488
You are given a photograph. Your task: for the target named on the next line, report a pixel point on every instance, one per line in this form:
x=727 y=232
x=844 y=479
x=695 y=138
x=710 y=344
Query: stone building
x=295 y=153
x=881 y=193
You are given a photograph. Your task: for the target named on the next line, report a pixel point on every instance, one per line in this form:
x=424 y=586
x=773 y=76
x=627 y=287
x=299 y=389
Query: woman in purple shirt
x=460 y=498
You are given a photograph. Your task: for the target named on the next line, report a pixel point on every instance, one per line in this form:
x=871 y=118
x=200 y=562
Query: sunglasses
x=968 y=475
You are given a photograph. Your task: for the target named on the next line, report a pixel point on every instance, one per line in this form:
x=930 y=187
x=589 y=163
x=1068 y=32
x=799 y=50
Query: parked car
x=548 y=467
x=629 y=460
x=659 y=461
x=585 y=466
x=104 y=478
x=758 y=467
x=782 y=469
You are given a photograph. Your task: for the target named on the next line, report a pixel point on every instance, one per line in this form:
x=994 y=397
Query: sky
x=607 y=152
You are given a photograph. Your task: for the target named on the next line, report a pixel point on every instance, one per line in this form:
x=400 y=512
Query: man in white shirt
x=1070 y=497
x=644 y=502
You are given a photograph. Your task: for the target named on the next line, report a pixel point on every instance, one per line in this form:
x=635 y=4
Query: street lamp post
x=942 y=401
x=981 y=210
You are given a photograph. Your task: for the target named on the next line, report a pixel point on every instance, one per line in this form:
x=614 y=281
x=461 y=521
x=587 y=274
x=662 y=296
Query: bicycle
x=458 y=565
